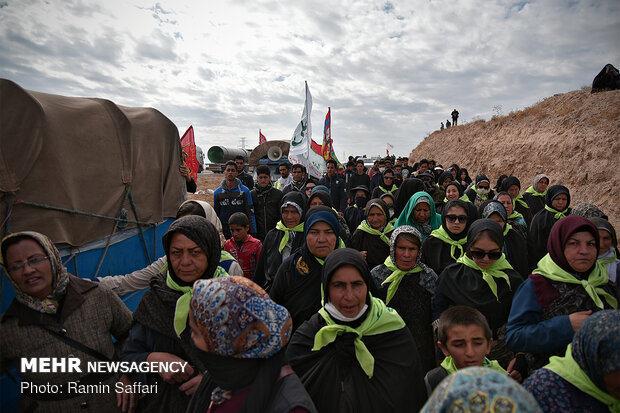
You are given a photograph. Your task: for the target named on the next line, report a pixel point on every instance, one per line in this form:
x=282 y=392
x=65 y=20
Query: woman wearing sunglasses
x=446 y=244
x=482 y=279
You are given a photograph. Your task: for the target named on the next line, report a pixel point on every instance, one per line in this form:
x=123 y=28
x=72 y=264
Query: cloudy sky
x=391 y=71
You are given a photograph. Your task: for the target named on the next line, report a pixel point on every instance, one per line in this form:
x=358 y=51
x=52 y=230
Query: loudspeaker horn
x=274 y=153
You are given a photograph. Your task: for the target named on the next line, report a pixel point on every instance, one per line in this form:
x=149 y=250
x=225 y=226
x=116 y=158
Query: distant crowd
x=383 y=288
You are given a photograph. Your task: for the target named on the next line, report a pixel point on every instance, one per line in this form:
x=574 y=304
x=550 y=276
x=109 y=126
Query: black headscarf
x=467 y=177
x=510 y=181
x=204 y=234
x=340 y=258
x=443 y=177
x=333 y=376
x=458 y=187
x=323 y=196
x=540 y=228
x=296 y=198
x=470 y=217
x=460 y=284
x=409 y=187
x=554 y=191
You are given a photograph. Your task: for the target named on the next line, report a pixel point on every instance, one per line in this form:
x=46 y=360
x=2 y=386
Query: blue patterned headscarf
x=596 y=345
x=237 y=318
x=495 y=207
x=480 y=389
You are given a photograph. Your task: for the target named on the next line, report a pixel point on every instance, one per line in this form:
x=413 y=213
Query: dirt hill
x=574 y=138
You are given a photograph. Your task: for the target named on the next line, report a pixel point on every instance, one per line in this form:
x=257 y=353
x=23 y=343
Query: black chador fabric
x=409 y=187
x=333 y=375
x=436 y=254
x=463 y=285
x=539 y=230
x=297 y=284
x=518 y=206
x=336 y=382
x=377 y=250
x=270 y=258
x=516 y=252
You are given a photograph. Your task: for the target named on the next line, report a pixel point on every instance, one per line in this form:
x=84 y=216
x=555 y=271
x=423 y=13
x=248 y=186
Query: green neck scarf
x=520 y=200
x=449 y=366
x=482 y=196
x=388 y=191
x=280 y=226
x=440 y=233
x=532 y=191
x=567 y=368
x=608 y=260
x=515 y=215
x=462 y=198
x=507 y=227
x=181 y=310
x=494 y=271
x=396 y=277
x=380 y=319
x=550 y=270
x=382 y=234
x=558 y=214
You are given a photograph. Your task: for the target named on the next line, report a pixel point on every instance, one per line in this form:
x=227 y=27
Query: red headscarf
x=560 y=233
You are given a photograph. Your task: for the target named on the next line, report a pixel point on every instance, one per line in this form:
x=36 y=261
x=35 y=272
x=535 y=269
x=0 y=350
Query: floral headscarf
x=60 y=276
x=480 y=389
x=237 y=318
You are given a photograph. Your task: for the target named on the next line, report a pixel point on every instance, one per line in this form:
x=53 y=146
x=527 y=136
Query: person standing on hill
x=442 y=127
x=448 y=124
x=455 y=117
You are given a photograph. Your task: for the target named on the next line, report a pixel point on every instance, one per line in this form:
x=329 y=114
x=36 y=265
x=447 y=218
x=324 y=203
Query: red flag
x=315 y=147
x=188 y=146
x=261 y=137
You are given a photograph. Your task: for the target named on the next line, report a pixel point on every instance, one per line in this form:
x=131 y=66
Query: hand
x=185 y=173
x=578 y=318
x=126 y=400
x=512 y=372
x=169 y=376
x=190 y=386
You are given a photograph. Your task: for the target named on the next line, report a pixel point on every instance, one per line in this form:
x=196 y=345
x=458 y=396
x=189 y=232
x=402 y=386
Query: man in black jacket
x=245 y=178
x=360 y=177
x=336 y=185
x=266 y=201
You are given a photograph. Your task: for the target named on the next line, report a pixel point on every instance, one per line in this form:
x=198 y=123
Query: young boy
x=465 y=339
x=244 y=247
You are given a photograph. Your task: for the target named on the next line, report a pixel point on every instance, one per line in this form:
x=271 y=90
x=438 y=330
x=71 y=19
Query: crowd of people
x=390 y=288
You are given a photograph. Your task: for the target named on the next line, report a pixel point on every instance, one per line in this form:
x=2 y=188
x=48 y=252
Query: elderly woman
x=419 y=212
x=512 y=186
x=445 y=244
x=515 y=243
x=407 y=189
x=372 y=236
x=160 y=332
x=482 y=279
x=283 y=240
x=535 y=194
x=297 y=283
x=408 y=286
x=355 y=354
x=480 y=389
x=587 y=378
x=247 y=368
x=55 y=314
x=557 y=202
x=566 y=287
x=141 y=279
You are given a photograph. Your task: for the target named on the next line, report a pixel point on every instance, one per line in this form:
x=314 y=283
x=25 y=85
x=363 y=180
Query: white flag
x=300 y=149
